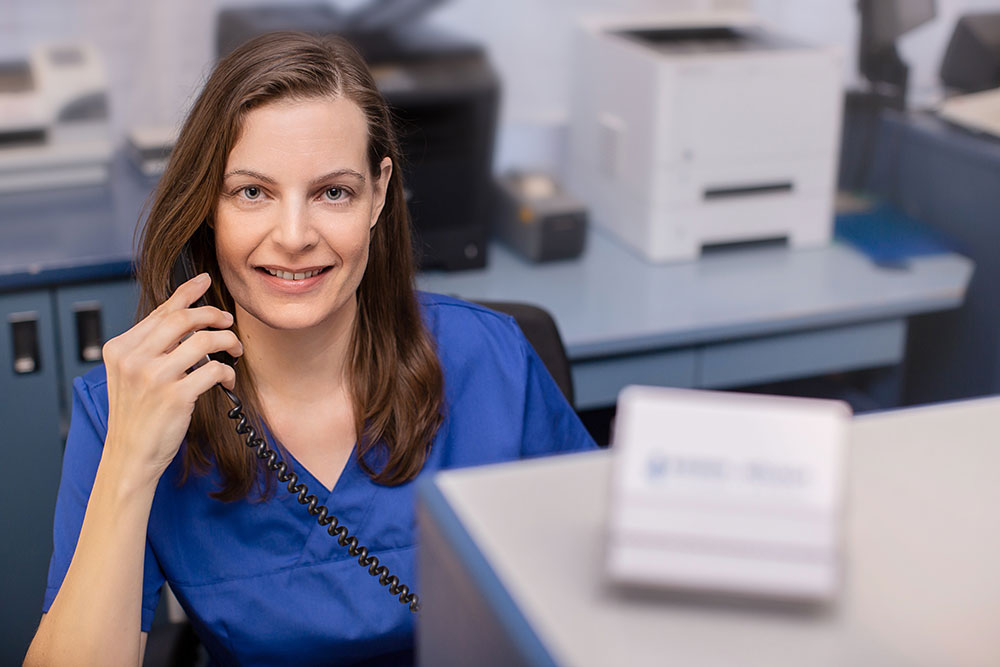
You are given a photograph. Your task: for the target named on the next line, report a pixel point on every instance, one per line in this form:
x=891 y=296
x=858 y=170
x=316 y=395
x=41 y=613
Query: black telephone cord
x=334 y=527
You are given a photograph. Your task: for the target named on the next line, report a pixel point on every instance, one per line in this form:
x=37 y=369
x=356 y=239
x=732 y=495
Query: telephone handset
x=184 y=269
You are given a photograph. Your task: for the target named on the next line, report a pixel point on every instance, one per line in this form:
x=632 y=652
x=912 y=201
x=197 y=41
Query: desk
x=511 y=563
x=737 y=317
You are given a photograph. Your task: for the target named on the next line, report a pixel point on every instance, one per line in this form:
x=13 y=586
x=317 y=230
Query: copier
x=54 y=125
x=696 y=130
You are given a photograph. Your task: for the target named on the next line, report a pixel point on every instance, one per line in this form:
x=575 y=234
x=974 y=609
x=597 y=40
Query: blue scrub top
x=262 y=582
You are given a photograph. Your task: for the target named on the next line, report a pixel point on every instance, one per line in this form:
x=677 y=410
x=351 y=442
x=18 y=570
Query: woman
x=284 y=188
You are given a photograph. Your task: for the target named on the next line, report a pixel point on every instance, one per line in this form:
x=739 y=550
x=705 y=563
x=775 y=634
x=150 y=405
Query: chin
x=293 y=317
x=290 y=324
x=291 y=320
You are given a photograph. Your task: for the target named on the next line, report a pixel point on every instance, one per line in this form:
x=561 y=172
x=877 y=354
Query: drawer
x=90 y=315
x=597 y=382
x=802 y=354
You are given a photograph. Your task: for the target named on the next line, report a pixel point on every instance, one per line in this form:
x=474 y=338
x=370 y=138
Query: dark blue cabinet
x=948 y=178
x=47 y=338
x=32 y=457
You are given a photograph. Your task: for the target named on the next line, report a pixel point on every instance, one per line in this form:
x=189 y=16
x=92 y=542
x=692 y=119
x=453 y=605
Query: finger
x=201 y=317
x=201 y=343
x=187 y=293
x=202 y=379
x=182 y=298
x=170 y=329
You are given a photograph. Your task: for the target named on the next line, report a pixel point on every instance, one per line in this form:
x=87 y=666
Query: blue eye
x=335 y=194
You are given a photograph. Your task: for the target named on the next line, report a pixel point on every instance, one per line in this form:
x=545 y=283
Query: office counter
x=56 y=236
x=512 y=563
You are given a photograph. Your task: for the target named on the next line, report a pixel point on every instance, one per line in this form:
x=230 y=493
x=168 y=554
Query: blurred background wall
x=157 y=53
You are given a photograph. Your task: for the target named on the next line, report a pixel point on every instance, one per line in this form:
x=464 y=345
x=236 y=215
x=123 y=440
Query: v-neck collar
x=349 y=500
x=306 y=477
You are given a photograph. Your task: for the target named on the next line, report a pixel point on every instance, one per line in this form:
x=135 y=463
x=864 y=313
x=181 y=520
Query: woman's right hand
x=150 y=394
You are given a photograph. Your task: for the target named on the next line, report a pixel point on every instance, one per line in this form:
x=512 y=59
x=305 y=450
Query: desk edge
x=522 y=635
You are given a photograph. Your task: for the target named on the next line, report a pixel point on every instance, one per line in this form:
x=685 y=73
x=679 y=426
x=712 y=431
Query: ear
x=381 y=187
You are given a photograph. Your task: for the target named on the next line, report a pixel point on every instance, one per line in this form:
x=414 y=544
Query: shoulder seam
x=463 y=304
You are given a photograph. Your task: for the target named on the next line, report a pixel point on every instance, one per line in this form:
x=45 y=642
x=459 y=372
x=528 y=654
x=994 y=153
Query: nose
x=293 y=228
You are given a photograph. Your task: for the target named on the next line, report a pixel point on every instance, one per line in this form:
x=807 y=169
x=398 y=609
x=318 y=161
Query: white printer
x=54 y=127
x=705 y=129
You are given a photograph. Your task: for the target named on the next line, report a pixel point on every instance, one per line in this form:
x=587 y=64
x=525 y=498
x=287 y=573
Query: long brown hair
x=396 y=384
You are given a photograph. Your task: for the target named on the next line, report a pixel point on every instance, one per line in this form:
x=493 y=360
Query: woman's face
x=293 y=221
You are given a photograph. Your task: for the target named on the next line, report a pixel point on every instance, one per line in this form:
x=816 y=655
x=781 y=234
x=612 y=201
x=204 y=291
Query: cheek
x=230 y=251
x=351 y=242
x=360 y=247
x=354 y=255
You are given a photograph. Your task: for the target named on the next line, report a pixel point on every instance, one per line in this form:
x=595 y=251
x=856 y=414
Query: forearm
x=96 y=616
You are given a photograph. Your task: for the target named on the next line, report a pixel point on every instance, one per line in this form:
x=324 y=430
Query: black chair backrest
x=541 y=331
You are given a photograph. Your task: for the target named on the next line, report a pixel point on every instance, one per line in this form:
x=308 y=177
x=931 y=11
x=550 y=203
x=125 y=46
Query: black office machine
x=972 y=61
x=538 y=219
x=444 y=93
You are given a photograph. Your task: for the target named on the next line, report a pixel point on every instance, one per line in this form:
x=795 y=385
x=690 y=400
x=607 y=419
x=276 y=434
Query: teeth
x=293 y=276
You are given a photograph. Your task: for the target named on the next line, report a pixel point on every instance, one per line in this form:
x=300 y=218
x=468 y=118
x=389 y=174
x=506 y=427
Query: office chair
x=541 y=331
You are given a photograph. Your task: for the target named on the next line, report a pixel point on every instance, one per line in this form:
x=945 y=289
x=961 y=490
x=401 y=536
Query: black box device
x=538 y=219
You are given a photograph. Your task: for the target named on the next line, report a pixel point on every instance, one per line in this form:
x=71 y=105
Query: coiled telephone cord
x=333 y=526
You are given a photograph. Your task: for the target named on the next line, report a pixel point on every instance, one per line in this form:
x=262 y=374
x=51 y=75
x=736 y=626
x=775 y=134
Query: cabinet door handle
x=89 y=336
x=24 y=334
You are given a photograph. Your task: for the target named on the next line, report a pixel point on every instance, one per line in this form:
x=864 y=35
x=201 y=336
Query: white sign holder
x=728 y=493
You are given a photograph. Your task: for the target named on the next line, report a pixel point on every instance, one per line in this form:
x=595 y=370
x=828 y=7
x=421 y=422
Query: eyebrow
x=338 y=173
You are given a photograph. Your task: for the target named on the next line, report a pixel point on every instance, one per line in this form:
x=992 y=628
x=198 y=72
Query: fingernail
x=203 y=278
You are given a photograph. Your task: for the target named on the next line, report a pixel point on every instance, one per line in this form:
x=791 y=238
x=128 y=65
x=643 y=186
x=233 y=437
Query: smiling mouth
x=287 y=275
